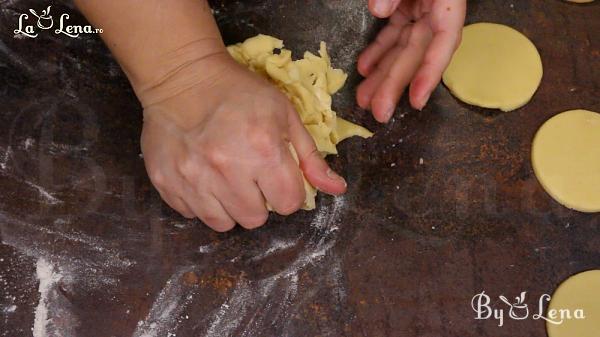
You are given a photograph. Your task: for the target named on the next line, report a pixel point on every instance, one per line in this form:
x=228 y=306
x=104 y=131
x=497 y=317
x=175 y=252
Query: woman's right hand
x=216 y=145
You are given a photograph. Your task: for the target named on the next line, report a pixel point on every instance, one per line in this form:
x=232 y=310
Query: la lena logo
x=45 y=21
x=519 y=310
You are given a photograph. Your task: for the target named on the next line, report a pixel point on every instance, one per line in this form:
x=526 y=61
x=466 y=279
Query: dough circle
x=566 y=159
x=494 y=67
x=581 y=291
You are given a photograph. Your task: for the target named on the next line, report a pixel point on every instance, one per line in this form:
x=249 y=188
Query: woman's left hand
x=414 y=48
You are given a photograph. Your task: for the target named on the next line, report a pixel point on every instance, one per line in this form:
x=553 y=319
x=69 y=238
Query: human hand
x=414 y=48
x=216 y=146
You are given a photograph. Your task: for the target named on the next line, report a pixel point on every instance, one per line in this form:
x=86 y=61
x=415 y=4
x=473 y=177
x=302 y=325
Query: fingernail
x=389 y=112
x=425 y=100
x=334 y=176
x=382 y=7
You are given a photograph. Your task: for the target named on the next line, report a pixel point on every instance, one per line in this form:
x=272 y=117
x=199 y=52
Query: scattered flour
x=163 y=318
x=39 y=241
x=206 y=249
x=276 y=245
x=231 y=313
x=55 y=148
x=49 y=278
x=253 y=304
x=47 y=196
x=10 y=309
x=5 y=158
x=28 y=143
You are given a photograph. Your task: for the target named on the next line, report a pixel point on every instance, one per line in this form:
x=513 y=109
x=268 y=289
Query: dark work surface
x=401 y=254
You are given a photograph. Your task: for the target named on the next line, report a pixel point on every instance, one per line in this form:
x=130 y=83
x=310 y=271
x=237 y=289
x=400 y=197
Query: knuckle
x=157 y=177
x=217 y=158
x=292 y=204
x=188 y=170
x=429 y=60
x=290 y=207
x=419 y=36
x=380 y=41
x=264 y=143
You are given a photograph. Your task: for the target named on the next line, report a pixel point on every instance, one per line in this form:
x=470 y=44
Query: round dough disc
x=494 y=67
x=581 y=291
x=580 y=1
x=566 y=159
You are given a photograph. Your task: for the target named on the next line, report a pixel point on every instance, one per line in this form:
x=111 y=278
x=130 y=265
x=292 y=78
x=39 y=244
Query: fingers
x=447 y=21
x=208 y=209
x=165 y=189
x=367 y=89
x=436 y=60
x=177 y=204
x=402 y=71
x=205 y=207
x=386 y=39
x=241 y=199
x=390 y=67
x=383 y=8
x=314 y=167
x=283 y=186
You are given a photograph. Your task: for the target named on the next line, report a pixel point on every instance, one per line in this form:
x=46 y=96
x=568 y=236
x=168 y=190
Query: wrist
x=175 y=72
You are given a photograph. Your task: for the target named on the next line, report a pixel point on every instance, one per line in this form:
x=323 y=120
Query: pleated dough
x=309 y=83
x=494 y=67
x=566 y=159
x=581 y=291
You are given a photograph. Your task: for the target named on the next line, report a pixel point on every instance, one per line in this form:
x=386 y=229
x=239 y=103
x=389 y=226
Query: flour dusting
x=5 y=158
x=229 y=316
x=10 y=309
x=206 y=249
x=276 y=245
x=324 y=218
x=253 y=306
x=165 y=315
x=41 y=242
x=47 y=196
x=57 y=148
x=28 y=143
x=49 y=278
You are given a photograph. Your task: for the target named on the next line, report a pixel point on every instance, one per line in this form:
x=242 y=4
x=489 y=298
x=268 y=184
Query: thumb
x=383 y=8
x=313 y=166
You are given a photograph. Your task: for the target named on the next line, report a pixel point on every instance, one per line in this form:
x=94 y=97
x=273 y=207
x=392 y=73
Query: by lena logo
x=46 y=22
x=519 y=310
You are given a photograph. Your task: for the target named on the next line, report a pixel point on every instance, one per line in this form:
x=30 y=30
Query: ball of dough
x=309 y=83
x=581 y=291
x=580 y=1
x=566 y=159
x=494 y=67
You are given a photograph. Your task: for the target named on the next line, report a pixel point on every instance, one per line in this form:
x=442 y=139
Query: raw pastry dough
x=309 y=84
x=494 y=67
x=581 y=291
x=566 y=159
